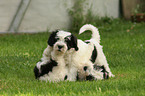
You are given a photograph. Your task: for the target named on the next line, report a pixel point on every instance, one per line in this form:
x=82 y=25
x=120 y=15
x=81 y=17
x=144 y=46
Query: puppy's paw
x=111 y=75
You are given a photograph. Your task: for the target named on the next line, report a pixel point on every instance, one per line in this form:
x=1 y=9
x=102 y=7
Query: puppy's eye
x=67 y=39
x=57 y=38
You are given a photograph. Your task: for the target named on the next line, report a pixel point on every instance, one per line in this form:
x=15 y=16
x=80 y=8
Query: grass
x=124 y=47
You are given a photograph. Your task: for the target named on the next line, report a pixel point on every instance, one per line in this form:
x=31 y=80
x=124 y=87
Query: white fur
x=79 y=59
x=72 y=61
x=47 y=52
x=101 y=59
x=97 y=74
x=58 y=72
x=82 y=57
x=95 y=32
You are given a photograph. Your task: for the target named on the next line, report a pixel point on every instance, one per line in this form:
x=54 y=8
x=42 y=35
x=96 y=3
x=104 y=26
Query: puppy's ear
x=51 y=40
x=74 y=42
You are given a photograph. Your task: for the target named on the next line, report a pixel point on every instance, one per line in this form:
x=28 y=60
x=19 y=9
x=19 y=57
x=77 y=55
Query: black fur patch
x=65 y=77
x=90 y=77
x=94 y=54
x=77 y=77
x=87 y=42
x=105 y=73
x=51 y=40
x=36 y=72
x=45 y=68
x=72 y=43
x=85 y=68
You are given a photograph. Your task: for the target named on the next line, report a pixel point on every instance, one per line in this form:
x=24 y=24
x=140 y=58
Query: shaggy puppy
x=75 y=54
x=65 y=41
x=97 y=73
x=79 y=59
x=99 y=59
x=54 y=69
x=90 y=53
x=52 y=66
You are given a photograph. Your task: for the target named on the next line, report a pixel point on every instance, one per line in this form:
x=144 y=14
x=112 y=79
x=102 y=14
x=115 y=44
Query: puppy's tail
x=95 y=32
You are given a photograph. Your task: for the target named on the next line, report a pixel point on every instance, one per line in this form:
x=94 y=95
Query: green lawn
x=124 y=47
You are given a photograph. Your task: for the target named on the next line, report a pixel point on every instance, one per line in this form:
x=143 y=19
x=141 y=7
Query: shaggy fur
x=67 y=56
x=95 y=40
x=53 y=66
x=52 y=70
x=97 y=73
x=82 y=57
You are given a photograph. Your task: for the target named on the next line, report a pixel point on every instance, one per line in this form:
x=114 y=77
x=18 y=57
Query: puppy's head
x=62 y=41
x=85 y=73
x=95 y=73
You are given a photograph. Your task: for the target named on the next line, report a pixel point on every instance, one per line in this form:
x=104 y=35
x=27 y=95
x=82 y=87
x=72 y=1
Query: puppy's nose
x=90 y=77
x=60 y=46
x=85 y=68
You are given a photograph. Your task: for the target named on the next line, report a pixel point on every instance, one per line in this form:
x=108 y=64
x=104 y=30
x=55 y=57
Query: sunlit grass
x=123 y=44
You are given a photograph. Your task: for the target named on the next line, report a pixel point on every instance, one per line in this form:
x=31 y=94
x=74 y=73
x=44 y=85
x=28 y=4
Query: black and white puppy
x=89 y=54
x=52 y=70
x=53 y=64
x=76 y=53
x=97 y=73
x=98 y=58
x=92 y=71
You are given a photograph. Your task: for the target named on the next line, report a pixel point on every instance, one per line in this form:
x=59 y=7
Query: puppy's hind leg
x=101 y=60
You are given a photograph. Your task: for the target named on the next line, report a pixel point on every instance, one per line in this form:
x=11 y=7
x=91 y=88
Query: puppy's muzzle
x=90 y=77
x=60 y=47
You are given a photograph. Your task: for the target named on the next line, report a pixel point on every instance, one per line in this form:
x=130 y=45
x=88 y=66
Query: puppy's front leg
x=72 y=74
x=47 y=54
x=45 y=58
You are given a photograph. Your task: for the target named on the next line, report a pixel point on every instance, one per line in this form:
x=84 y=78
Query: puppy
x=99 y=59
x=89 y=53
x=66 y=41
x=53 y=70
x=97 y=73
x=53 y=65
x=79 y=59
